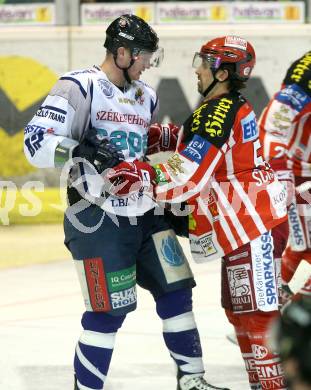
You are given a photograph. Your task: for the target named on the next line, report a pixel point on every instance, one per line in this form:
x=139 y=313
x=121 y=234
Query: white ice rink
x=39 y=324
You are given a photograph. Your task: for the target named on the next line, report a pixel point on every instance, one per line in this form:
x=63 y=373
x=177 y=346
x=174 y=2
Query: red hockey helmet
x=228 y=50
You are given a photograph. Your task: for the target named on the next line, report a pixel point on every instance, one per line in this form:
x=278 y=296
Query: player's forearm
x=45 y=150
x=54 y=152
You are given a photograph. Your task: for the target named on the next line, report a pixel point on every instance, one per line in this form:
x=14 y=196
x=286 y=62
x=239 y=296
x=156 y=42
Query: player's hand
x=99 y=153
x=162 y=138
x=130 y=177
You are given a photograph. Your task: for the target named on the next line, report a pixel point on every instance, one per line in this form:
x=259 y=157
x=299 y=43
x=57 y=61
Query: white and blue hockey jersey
x=86 y=99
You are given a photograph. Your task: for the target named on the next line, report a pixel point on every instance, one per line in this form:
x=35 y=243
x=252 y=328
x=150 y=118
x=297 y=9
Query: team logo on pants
x=171 y=251
x=171 y=257
x=259 y=351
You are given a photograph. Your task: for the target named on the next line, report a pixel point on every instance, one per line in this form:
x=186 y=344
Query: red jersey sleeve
x=204 y=139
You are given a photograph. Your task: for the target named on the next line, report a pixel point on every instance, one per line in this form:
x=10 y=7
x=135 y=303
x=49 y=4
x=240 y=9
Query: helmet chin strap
x=213 y=83
x=210 y=87
x=125 y=70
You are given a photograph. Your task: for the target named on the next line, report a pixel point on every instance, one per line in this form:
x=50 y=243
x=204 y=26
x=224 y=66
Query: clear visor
x=150 y=58
x=206 y=60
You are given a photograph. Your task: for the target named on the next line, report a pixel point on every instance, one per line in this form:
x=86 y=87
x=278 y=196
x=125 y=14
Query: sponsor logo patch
x=259 y=351
x=174 y=164
x=203 y=245
x=127 y=36
x=264 y=272
x=240 y=287
x=171 y=257
x=126 y=101
x=271 y=371
x=160 y=174
x=121 y=280
x=237 y=42
x=214 y=125
x=34 y=142
x=207 y=245
x=33 y=129
x=54 y=114
x=123 y=298
x=196 y=118
x=294 y=96
x=171 y=251
x=196 y=149
x=113 y=116
x=250 y=128
x=96 y=282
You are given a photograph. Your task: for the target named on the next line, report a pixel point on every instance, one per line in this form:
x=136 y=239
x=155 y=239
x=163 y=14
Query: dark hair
x=234 y=83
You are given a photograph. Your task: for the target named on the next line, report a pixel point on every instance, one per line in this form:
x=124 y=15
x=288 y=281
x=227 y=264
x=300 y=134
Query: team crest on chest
x=106 y=87
x=139 y=96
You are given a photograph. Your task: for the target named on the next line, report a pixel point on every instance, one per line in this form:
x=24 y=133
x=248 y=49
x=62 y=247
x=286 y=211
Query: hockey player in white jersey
x=116 y=242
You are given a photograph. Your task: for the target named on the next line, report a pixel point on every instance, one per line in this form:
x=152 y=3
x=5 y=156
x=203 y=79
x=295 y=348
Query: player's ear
x=222 y=75
x=122 y=52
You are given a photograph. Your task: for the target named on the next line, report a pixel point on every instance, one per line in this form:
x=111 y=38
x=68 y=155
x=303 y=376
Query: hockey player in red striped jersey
x=235 y=200
x=100 y=116
x=285 y=134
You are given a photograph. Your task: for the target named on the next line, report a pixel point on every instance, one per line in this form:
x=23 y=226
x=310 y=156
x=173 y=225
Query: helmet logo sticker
x=122 y=22
x=237 y=42
x=127 y=36
x=106 y=88
x=247 y=71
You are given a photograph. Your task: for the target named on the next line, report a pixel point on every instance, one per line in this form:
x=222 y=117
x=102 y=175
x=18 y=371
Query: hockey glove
x=162 y=138
x=130 y=177
x=99 y=153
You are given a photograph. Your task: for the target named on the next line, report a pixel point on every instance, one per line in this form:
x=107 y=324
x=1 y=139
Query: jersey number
x=122 y=140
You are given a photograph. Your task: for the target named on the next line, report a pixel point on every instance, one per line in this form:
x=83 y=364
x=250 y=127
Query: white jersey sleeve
x=59 y=123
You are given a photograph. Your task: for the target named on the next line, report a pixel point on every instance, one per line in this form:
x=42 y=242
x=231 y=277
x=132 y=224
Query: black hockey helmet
x=132 y=32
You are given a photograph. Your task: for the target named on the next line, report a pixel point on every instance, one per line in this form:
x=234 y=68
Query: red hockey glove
x=162 y=138
x=129 y=177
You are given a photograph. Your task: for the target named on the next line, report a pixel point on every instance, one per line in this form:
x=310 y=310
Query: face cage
x=206 y=60
x=149 y=58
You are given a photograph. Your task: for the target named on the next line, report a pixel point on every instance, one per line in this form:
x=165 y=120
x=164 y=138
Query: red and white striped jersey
x=285 y=125
x=219 y=170
x=299 y=146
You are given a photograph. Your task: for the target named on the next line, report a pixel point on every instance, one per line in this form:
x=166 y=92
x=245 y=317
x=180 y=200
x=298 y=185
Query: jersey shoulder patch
x=214 y=119
x=294 y=96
